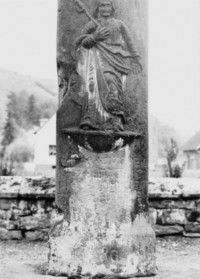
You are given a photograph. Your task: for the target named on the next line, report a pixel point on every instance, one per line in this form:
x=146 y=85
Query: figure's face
x=105 y=8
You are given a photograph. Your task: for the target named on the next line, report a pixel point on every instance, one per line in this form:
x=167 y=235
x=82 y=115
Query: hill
x=44 y=90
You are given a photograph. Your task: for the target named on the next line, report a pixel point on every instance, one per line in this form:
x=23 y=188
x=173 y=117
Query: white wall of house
x=44 y=138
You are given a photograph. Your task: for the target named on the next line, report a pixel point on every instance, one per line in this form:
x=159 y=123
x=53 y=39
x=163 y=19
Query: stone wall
x=175 y=206
x=27 y=207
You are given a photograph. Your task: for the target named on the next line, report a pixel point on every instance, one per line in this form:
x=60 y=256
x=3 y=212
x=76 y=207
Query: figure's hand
x=101 y=34
x=136 y=68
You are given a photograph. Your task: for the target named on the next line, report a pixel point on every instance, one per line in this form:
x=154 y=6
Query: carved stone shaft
x=102 y=141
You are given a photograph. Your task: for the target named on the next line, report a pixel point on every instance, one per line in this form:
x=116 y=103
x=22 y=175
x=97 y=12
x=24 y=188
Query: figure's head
x=104 y=8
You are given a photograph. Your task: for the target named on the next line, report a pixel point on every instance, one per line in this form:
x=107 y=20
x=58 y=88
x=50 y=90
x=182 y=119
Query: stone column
x=102 y=141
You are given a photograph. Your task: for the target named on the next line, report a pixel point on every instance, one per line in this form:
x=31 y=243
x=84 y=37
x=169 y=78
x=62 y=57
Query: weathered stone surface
x=197 y=202
x=168 y=230
x=192 y=227
x=36 y=235
x=19 y=213
x=3 y=234
x=103 y=195
x=174 y=188
x=37 y=187
x=6 y=204
x=191 y=235
x=33 y=206
x=2 y=213
x=100 y=236
x=164 y=188
x=193 y=215
x=23 y=205
x=36 y=221
x=171 y=204
x=8 y=235
x=171 y=216
x=152 y=216
x=15 y=187
x=12 y=225
x=15 y=235
x=139 y=257
x=10 y=186
x=191 y=187
x=3 y=223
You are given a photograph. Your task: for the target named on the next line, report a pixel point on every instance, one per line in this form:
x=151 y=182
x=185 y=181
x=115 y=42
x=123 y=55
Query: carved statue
x=106 y=55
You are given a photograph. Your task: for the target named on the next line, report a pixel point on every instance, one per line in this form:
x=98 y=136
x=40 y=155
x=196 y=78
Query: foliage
x=32 y=112
x=13 y=108
x=6 y=166
x=20 y=151
x=172 y=170
x=177 y=171
x=10 y=131
x=47 y=109
x=27 y=111
x=165 y=134
x=14 y=155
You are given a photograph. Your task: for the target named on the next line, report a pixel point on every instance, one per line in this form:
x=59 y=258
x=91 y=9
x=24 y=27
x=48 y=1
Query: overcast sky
x=174 y=63
x=28 y=36
x=28 y=46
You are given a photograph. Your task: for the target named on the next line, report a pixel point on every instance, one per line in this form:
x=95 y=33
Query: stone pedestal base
x=99 y=236
x=130 y=254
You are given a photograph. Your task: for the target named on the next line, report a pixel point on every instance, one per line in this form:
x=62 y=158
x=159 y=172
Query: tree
x=22 y=100
x=172 y=150
x=23 y=109
x=171 y=154
x=48 y=109
x=165 y=134
x=10 y=131
x=33 y=113
x=13 y=107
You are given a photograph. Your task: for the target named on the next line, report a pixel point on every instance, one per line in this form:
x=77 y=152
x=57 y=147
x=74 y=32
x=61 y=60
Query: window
x=52 y=150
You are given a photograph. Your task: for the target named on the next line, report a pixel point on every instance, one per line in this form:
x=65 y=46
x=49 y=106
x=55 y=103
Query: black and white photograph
x=99 y=139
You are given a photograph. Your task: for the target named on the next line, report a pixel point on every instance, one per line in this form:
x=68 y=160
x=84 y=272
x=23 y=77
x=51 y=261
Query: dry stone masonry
x=27 y=207
x=175 y=206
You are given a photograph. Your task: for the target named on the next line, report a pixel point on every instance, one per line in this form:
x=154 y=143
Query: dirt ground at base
x=177 y=258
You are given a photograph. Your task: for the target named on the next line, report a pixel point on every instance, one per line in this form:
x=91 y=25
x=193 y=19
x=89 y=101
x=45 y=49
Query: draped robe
x=103 y=67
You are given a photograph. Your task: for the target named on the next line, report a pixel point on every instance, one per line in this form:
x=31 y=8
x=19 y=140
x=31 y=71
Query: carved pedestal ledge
x=101 y=236
x=101 y=141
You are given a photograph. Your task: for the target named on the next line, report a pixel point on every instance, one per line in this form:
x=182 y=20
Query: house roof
x=47 y=122
x=193 y=143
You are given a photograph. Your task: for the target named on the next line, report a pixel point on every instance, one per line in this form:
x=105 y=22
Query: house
x=45 y=148
x=192 y=151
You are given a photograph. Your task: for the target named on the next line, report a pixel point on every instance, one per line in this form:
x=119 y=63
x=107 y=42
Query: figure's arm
x=92 y=34
x=136 y=60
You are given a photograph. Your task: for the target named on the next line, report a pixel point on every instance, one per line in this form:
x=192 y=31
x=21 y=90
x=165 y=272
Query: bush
x=15 y=155
x=20 y=152
x=176 y=171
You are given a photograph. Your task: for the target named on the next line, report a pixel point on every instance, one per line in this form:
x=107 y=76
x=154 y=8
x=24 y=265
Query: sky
x=28 y=36
x=174 y=63
x=28 y=46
